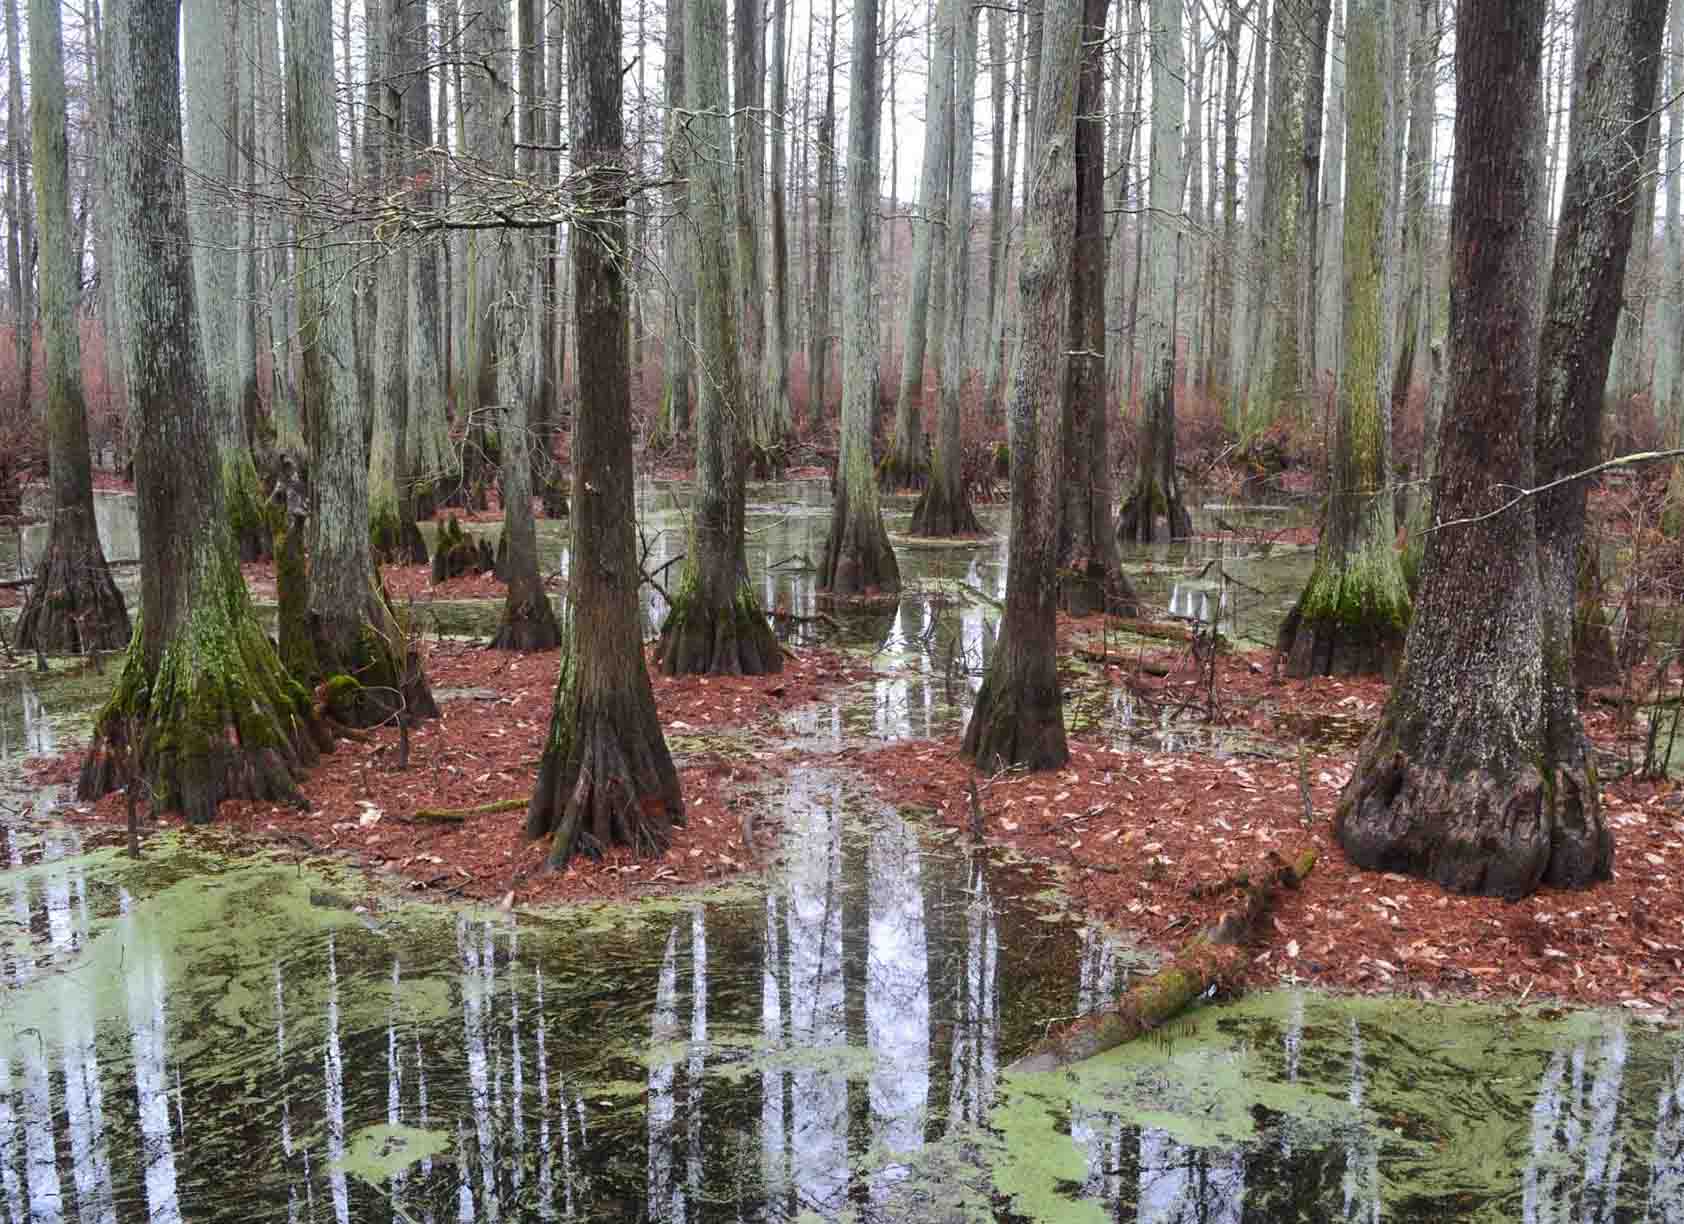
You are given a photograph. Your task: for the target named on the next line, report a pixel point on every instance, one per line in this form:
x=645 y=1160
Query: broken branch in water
x=1208 y=959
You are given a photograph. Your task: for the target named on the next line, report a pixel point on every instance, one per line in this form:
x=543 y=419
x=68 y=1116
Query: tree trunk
x=203 y=710
x=857 y=556
x=209 y=95
x=1090 y=576
x=777 y=349
x=356 y=635
x=284 y=418
x=1423 y=65
x=1452 y=783
x=1222 y=342
x=73 y=606
x=393 y=534
x=681 y=294
x=1000 y=186
x=996 y=365
x=1154 y=509
x=944 y=509
x=22 y=258
x=748 y=47
x=1354 y=610
x=606 y=777
x=1309 y=215
x=1617 y=69
x=905 y=466
x=818 y=340
x=1019 y=714
x=1329 y=229
x=715 y=624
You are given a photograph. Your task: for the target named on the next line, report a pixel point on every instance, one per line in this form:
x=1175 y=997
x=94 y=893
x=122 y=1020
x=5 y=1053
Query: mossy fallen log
x=1210 y=958
x=458 y=815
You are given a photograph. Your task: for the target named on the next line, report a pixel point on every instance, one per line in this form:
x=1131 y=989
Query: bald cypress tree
x=73 y=606
x=606 y=777
x=1019 y=713
x=203 y=710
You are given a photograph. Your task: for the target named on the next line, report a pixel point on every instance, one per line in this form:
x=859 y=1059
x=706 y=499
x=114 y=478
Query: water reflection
x=824 y=1047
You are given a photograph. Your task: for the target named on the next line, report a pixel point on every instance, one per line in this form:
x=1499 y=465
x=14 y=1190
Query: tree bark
x=1155 y=509
x=778 y=345
x=905 y=466
x=1309 y=206
x=1617 y=67
x=21 y=259
x=1090 y=576
x=818 y=339
x=1274 y=384
x=715 y=624
x=857 y=556
x=210 y=97
x=605 y=777
x=681 y=296
x=943 y=508
x=355 y=632
x=73 y=607
x=1353 y=613
x=529 y=622
x=203 y=710
x=749 y=127
x=1019 y=714
x=1452 y=784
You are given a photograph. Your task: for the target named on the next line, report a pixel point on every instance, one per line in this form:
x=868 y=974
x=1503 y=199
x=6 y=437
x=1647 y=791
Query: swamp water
x=210 y=1036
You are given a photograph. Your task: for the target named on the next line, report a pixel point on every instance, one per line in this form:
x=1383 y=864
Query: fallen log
x=1210 y=958
x=458 y=815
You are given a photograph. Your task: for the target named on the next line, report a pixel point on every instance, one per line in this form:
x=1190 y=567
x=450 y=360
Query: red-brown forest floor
x=1132 y=831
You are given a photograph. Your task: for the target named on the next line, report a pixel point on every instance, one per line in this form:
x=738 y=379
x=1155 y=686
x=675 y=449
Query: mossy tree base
x=1018 y=718
x=606 y=777
x=375 y=653
x=1349 y=620
x=734 y=640
x=218 y=718
x=1150 y=516
x=941 y=511
x=395 y=542
x=529 y=620
x=457 y=553
x=858 y=558
x=903 y=473
x=1477 y=830
x=74 y=606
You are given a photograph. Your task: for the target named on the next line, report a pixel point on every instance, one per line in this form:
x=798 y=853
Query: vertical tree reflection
x=1101 y=1134
x=665 y=1200
x=897 y=998
x=478 y=981
x=1666 y=1168
x=974 y=1062
x=817 y=1022
x=333 y=1073
x=1575 y=1162
x=149 y=1043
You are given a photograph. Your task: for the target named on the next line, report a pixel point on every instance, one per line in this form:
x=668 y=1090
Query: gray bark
x=1154 y=509
x=857 y=556
x=905 y=465
x=73 y=606
x=681 y=308
x=21 y=230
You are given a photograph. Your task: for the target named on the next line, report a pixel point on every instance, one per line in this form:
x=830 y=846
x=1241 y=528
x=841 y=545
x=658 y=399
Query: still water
x=213 y=1036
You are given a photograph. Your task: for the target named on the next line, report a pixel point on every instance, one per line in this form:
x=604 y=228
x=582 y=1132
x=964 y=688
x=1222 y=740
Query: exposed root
x=74 y=606
x=731 y=641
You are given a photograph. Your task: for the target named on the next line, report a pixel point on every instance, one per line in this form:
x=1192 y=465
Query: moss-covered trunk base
x=605 y=779
x=218 y=718
x=903 y=472
x=1329 y=645
x=396 y=542
x=529 y=620
x=1489 y=828
x=369 y=669
x=456 y=553
x=858 y=559
x=1151 y=515
x=74 y=606
x=942 y=511
x=1018 y=718
x=735 y=640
